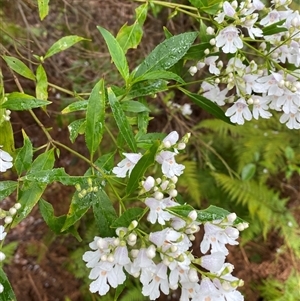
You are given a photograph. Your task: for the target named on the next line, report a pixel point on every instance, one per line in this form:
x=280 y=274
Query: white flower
x=5 y=160
x=292 y=120
x=170 y=139
x=248 y=23
x=186 y=109
x=213 y=262
x=2 y=233
x=149 y=183
x=1 y=288
x=229 y=39
x=260 y=107
x=140 y=262
x=193 y=70
x=228 y=292
x=208 y=291
x=239 y=111
x=211 y=62
x=168 y=164
x=157 y=212
x=213 y=93
x=126 y=165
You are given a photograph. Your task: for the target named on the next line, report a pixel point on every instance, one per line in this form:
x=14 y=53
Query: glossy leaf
x=167 y=54
x=75 y=106
x=7 y=137
x=209 y=6
x=116 y=52
x=6 y=188
x=181 y=210
x=43 y=6
x=20 y=102
x=127 y=217
x=248 y=172
x=133 y=106
x=76 y=127
x=24 y=155
x=104 y=213
x=146 y=140
x=7 y=294
x=138 y=171
x=62 y=44
x=207 y=105
x=41 y=89
x=18 y=66
x=121 y=120
x=95 y=117
x=148 y=88
x=196 y=52
x=274 y=28
x=43 y=162
x=130 y=36
x=159 y=74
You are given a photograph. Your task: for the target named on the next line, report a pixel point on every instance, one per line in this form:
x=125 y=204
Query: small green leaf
x=207 y=105
x=43 y=6
x=18 y=66
x=167 y=54
x=167 y=33
x=116 y=52
x=274 y=28
x=41 y=89
x=24 y=155
x=7 y=137
x=130 y=36
x=208 y=6
x=104 y=213
x=76 y=127
x=159 y=74
x=80 y=105
x=146 y=140
x=95 y=117
x=121 y=120
x=181 y=210
x=62 y=44
x=248 y=172
x=43 y=162
x=204 y=37
x=196 y=52
x=20 y=102
x=47 y=212
x=6 y=188
x=133 y=106
x=138 y=171
x=127 y=217
x=8 y=293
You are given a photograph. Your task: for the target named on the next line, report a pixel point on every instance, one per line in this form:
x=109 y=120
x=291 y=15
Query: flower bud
x=149 y=183
x=8 y=220
x=193 y=215
x=193 y=276
x=173 y=193
x=210 y=30
x=192 y=70
x=17 y=206
x=158 y=195
x=231 y=217
x=12 y=211
x=151 y=252
x=110 y=258
x=2 y=256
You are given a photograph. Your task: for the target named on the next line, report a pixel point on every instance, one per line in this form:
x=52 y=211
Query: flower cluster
x=255 y=80
x=163 y=260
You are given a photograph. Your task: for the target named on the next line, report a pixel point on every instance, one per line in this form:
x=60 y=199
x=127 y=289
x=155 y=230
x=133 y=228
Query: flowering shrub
x=243 y=52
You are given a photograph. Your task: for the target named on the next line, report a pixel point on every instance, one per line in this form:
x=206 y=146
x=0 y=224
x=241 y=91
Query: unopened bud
x=8 y=220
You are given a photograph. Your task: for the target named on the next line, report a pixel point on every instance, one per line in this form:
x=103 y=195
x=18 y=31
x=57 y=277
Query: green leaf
x=133 y=106
x=127 y=217
x=7 y=137
x=274 y=28
x=204 y=37
x=47 y=212
x=207 y=105
x=167 y=33
x=41 y=89
x=167 y=54
x=181 y=210
x=248 y=171
x=24 y=155
x=138 y=171
x=29 y=196
x=130 y=36
x=76 y=127
x=62 y=44
x=6 y=188
x=18 y=66
x=105 y=163
x=80 y=105
x=148 y=88
x=146 y=140
x=43 y=6
x=105 y=214
x=43 y=162
x=7 y=294
x=208 y=6
x=95 y=117
x=159 y=74
x=121 y=120
x=20 y=102
x=196 y=52
x=116 y=52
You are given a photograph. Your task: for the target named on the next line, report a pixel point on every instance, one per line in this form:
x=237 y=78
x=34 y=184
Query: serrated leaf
x=248 y=172
x=207 y=105
x=104 y=213
x=130 y=36
x=20 y=102
x=133 y=106
x=76 y=127
x=53 y=222
x=116 y=52
x=121 y=120
x=167 y=54
x=43 y=6
x=41 y=89
x=75 y=106
x=95 y=117
x=159 y=74
x=63 y=44
x=24 y=155
x=18 y=66
x=138 y=171
x=6 y=188
x=7 y=294
x=127 y=217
